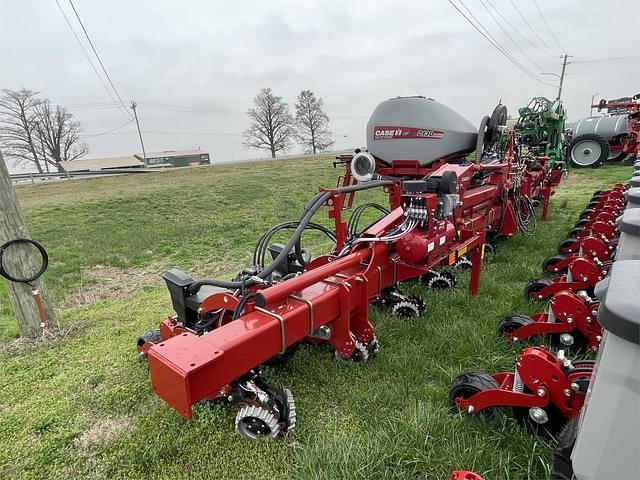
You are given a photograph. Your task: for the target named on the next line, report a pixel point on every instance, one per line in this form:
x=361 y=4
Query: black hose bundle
x=310 y=209
x=262 y=246
x=354 y=220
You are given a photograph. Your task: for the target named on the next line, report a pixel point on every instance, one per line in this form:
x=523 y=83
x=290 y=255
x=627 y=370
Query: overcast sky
x=194 y=66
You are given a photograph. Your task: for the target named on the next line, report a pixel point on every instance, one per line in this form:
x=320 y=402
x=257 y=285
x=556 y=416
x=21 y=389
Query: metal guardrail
x=33 y=176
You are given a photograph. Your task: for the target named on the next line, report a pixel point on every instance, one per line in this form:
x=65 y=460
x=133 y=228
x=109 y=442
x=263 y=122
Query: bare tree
x=58 y=134
x=312 y=123
x=18 y=128
x=33 y=132
x=271 y=123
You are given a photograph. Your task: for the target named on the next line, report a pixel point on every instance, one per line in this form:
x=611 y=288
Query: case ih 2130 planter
x=442 y=206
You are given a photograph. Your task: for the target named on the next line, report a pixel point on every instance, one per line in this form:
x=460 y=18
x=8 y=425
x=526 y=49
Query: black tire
x=511 y=323
x=616 y=157
x=588 y=151
x=535 y=286
x=562 y=467
x=283 y=358
x=565 y=245
x=468 y=384
x=586 y=212
x=152 y=336
x=574 y=232
x=550 y=429
x=549 y=263
x=578 y=346
x=582 y=222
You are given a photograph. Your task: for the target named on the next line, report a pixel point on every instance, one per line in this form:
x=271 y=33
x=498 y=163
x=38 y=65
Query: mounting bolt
x=541 y=392
x=359 y=279
x=567 y=392
x=470 y=409
x=221 y=391
x=569 y=320
x=598 y=337
x=575 y=387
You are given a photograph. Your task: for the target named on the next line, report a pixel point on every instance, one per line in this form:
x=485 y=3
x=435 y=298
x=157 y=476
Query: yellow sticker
x=482 y=252
x=452 y=258
x=462 y=251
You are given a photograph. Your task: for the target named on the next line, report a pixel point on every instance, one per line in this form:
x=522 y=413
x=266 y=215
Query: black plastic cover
x=178 y=284
x=629 y=222
x=414 y=186
x=619 y=311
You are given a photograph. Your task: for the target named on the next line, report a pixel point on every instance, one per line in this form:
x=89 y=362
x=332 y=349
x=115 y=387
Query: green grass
x=82 y=406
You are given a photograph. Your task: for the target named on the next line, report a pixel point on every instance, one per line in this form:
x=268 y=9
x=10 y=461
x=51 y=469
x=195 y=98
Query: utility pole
x=13 y=226
x=135 y=114
x=564 y=67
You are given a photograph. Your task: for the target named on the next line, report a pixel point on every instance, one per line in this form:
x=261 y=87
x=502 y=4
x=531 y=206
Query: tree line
x=33 y=132
x=273 y=127
x=36 y=133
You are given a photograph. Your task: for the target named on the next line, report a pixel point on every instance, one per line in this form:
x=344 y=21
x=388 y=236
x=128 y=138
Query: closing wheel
x=256 y=422
x=532 y=288
x=549 y=264
x=468 y=384
x=463 y=263
x=362 y=353
x=544 y=421
x=512 y=323
x=439 y=280
x=588 y=151
x=572 y=342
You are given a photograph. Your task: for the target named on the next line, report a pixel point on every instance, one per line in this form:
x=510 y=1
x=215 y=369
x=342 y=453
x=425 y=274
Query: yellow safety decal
x=462 y=251
x=482 y=252
x=452 y=258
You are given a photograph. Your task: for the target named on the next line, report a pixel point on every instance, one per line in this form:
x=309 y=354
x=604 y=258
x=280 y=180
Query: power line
x=109 y=131
x=496 y=44
x=86 y=34
x=508 y=35
x=610 y=59
x=553 y=54
x=513 y=27
x=106 y=88
x=553 y=35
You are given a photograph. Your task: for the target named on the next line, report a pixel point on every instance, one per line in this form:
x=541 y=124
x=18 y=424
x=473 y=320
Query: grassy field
x=82 y=406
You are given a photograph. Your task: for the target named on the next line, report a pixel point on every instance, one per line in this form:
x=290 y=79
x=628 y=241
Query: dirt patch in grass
x=102 y=432
x=100 y=282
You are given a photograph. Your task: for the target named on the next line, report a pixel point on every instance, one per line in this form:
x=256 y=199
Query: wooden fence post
x=12 y=226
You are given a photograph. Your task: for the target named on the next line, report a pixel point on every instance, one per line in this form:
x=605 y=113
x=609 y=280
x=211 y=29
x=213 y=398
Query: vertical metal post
x=135 y=114
x=564 y=67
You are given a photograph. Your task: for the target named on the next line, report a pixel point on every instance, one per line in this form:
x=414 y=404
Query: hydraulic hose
x=309 y=210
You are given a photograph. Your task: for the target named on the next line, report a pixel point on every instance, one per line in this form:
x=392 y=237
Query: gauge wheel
x=468 y=384
x=512 y=323
x=588 y=151
x=567 y=245
x=549 y=264
x=534 y=286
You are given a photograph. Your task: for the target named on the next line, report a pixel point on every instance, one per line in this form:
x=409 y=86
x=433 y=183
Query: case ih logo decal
x=395 y=133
